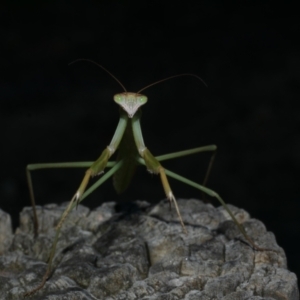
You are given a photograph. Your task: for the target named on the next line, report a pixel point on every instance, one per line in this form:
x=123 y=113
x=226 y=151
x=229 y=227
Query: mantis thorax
x=130 y=102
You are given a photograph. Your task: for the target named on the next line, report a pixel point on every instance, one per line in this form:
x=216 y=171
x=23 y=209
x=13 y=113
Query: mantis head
x=130 y=102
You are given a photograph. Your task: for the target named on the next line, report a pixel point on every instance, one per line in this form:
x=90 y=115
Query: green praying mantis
x=132 y=151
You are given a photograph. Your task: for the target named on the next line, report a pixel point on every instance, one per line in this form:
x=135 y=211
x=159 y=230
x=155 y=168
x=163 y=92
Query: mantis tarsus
x=128 y=140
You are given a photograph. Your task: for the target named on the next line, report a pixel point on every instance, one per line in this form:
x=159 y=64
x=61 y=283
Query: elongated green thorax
x=127 y=152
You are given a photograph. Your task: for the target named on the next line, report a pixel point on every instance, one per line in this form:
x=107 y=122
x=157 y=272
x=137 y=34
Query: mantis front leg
x=94 y=168
x=152 y=164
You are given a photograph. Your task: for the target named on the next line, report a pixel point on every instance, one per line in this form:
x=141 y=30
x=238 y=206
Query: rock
x=144 y=254
x=6 y=232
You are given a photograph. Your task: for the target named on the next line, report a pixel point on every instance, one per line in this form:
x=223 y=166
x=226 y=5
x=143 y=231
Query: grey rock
x=6 y=232
x=143 y=254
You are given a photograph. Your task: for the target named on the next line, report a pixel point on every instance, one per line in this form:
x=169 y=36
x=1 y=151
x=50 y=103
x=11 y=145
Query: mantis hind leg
x=216 y=195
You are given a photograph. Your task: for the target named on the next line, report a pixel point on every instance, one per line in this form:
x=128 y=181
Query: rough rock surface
x=143 y=254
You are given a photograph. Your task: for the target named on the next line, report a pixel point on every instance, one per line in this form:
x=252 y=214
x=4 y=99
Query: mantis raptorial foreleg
x=152 y=164
x=95 y=168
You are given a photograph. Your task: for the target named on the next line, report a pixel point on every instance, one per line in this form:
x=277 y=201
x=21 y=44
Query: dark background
x=247 y=53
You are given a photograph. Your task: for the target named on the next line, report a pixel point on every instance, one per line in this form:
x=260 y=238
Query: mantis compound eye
x=142 y=99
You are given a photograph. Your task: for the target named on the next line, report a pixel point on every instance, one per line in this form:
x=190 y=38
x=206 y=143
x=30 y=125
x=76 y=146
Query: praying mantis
x=132 y=151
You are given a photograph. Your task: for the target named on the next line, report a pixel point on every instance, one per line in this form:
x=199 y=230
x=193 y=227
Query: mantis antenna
x=174 y=76
x=144 y=88
x=91 y=61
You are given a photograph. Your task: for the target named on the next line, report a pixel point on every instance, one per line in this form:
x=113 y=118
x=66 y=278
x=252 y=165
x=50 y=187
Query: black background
x=246 y=51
